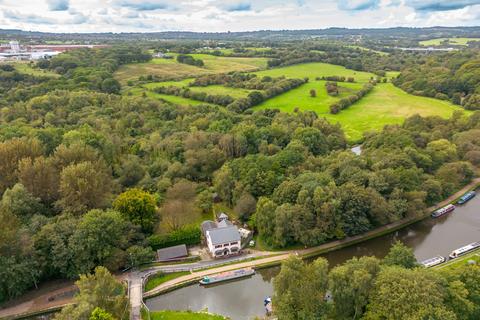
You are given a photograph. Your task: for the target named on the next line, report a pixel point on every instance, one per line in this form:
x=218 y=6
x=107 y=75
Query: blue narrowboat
x=466 y=197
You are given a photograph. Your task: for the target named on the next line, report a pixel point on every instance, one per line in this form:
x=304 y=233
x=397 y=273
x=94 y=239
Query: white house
x=222 y=238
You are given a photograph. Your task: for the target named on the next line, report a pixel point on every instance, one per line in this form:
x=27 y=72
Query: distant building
x=222 y=238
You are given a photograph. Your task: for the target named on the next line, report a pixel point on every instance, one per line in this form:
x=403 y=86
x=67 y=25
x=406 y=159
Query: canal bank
x=428 y=237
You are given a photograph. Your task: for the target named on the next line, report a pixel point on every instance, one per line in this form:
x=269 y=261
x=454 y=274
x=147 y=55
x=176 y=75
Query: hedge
x=189 y=235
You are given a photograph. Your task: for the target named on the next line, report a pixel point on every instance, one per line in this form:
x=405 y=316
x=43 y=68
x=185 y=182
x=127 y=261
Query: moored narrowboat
x=229 y=275
x=464 y=250
x=466 y=197
x=435 y=261
x=440 y=212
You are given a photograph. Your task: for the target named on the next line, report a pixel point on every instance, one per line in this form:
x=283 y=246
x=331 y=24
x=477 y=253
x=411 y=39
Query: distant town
x=14 y=51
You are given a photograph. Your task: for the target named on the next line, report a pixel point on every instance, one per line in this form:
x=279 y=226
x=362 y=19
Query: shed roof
x=224 y=235
x=171 y=253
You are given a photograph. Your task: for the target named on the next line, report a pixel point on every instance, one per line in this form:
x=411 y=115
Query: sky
x=231 y=15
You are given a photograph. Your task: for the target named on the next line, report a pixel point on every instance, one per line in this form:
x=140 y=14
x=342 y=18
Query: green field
x=300 y=97
x=315 y=69
x=158 y=279
x=221 y=90
x=453 y=41
x=180 y=83
x=385 y=104
x=26 y=68
x=165 y=97
x=170 y=69
x=182 y=315
x=368 y=49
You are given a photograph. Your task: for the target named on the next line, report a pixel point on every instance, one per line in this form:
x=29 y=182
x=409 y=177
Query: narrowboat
x=466 y=197
x=433 y=261
x=440 y=212
x=463 y=250
x=229 y=275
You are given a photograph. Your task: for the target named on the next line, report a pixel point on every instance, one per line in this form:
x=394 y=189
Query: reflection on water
x=243 y=299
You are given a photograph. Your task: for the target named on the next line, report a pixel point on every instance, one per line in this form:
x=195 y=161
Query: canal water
x=243 y=299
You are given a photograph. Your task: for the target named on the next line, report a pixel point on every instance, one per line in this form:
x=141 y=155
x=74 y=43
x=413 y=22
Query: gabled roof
x=224 y=224
x=224 y=235
x=170 y=253
x=222 y=216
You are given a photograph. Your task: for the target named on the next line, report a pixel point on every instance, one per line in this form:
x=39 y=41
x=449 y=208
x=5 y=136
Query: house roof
x=223 y=215
x=171 y=253
x=224 y=235
x=207 y=225
x=224 y=224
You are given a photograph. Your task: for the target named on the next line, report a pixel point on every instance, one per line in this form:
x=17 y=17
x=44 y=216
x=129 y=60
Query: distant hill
x=400 y=33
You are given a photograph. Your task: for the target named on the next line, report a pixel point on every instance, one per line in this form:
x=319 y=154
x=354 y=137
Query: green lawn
x=385 y=104
x=315 y=69
x=453 y=264
x=453 y=41
x=183 y=315
x=159 y=278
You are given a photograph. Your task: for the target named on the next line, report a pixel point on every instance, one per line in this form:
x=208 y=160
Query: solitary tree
x=313 y=93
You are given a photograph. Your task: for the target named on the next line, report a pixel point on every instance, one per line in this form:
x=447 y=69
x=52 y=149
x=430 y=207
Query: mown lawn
x=183 y=315
x=159 y=278
x=454 y=41
x=462 y=261
x=315 y=69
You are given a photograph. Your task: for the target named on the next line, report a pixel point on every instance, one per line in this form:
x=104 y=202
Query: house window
x=218 y=246
x=233 y=243
x=225 y=245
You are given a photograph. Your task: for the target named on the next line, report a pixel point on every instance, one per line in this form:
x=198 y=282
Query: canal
x=243 y=299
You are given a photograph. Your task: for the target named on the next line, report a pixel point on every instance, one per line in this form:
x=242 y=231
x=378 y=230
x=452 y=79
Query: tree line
x=393 y=288
x=344 y=103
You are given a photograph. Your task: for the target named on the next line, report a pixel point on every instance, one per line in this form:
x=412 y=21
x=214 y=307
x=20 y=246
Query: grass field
x=385 y=104
x=453 y=41
x=183 y=315
x=180 y=83
x=26 y=68
x=158 y=279
x=368 y=49
x=170 y=69
x=169 y=98
x=300 y=97
x=316 y=69
x=221 y=90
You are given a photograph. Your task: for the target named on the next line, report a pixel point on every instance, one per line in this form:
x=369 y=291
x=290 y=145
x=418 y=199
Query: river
x=243 y=299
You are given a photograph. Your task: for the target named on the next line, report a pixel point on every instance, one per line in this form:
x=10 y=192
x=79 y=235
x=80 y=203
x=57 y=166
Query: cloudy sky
x=231 y=15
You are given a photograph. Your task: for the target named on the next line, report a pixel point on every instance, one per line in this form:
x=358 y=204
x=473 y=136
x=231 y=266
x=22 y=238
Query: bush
x=188 y=235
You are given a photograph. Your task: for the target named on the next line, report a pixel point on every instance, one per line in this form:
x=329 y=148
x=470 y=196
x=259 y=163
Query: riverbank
x=309 y=252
